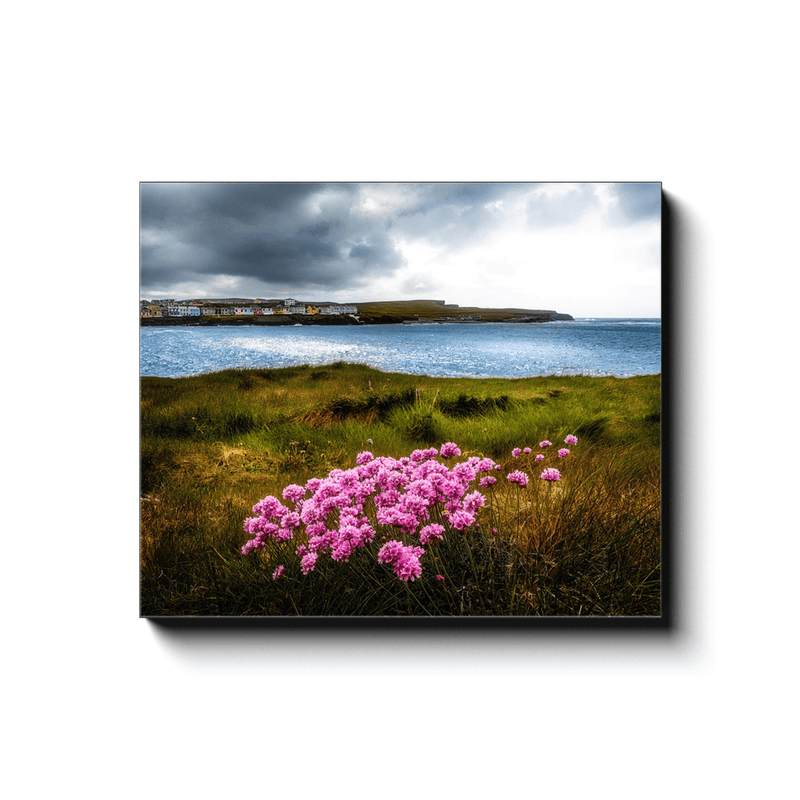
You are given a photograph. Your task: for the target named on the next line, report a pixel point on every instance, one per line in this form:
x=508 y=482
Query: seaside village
x=237 y=308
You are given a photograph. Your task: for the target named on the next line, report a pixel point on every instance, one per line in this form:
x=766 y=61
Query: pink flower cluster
x=551 y=474
x=518 y=477
x=343 y=509
x=342 y=512
x=404 y=559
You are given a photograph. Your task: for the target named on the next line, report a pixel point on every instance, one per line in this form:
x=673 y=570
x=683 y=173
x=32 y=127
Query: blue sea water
x=587 y=346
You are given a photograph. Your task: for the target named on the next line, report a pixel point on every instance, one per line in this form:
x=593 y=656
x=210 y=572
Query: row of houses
x=198 y=308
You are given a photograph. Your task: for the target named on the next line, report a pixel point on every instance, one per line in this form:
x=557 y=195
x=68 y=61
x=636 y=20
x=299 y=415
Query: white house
x=338 y=309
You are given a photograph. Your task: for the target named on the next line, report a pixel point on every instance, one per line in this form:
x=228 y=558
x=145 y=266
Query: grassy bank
x=214 y=445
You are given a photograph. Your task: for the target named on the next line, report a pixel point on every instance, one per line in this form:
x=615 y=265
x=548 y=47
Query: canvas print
x=380 y=400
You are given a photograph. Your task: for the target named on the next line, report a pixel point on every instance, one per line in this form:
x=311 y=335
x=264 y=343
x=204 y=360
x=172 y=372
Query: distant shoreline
x=285 y=320
x=288 y=320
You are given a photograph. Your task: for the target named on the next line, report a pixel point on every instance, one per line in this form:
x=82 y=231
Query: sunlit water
x=596 y=347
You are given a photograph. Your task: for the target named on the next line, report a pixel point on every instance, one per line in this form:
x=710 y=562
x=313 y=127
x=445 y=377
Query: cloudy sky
x=581 y=249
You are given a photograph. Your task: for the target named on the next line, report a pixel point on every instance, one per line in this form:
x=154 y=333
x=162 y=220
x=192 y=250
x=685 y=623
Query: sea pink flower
x=563 y=452
x=440 y=577
x=488 y=481
x=518 y=477
x=278 y=572
x=449 y=449
x=464 y=472
x=551 y=475
x=308 y=562
x=408 y=567
x=294 y=492
x=461 y=519
x=516 y=452
x=526 y=450
x=405 y=560
x=571 y=439
x=545 y=443
x=291 y=520
x=364 y=458
x=390 y=552
x=270 y=507
x=473 y=501
x=539 y=457
x=433 y=531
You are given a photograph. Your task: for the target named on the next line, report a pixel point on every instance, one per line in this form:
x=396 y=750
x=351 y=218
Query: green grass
x=430 y=310
x=213 y=445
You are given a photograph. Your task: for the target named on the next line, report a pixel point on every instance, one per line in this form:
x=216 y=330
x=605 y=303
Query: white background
x=99 y=703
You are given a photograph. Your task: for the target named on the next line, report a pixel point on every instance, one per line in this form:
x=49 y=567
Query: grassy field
x=212 y=446
x=428 y=310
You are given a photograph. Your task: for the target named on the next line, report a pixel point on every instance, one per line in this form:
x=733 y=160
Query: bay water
x=620 y=347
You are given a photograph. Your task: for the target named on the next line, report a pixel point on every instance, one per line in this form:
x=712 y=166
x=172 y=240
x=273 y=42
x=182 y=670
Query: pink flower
x=518 y=477
x=571 y=439
x=294 y=492
x=449 y=449
x=433 y=531
x=461 y=519
x=440 y=577
x=405 y=560
x=464 y=472
x=551 y=475
x=539 y=457
x=270 y=507
x=515 y=452
x=291 y=520
x=278 y=572
x=364 y=457
x=407 y=568
x=390 y=552
x=563 y=452
x=545 y=443
x=308 y=562
x=488 y=481
x=526 y=450
x=473 y=501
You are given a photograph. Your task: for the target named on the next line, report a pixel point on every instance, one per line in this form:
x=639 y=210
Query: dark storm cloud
x=455 y=214
x=294 y=235
x=310 y=237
